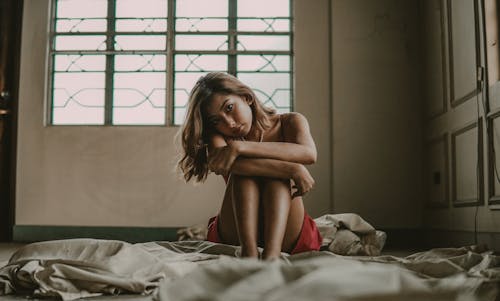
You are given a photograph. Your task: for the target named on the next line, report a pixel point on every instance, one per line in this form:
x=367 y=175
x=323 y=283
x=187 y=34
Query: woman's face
x=230 y=115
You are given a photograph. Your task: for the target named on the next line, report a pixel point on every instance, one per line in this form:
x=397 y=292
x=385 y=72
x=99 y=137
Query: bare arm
x=299 y=146
x=259 y=167
x=265 y=168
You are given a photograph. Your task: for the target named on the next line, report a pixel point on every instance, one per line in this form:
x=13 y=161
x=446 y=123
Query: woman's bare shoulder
x=294 y=119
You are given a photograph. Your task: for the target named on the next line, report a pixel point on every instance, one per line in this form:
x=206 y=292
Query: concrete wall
x=377 y=124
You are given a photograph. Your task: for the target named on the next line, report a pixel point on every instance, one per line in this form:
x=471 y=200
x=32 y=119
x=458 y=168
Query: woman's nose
x=230 y=122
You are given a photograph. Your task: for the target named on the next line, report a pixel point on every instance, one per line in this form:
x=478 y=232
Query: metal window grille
x=131 y=62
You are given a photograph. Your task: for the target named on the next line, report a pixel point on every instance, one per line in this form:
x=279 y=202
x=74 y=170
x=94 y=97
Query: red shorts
x=309 y=239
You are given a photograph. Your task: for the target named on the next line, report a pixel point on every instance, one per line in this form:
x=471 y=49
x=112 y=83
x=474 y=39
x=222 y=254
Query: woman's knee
x=244 y=180
x=277 y=186
x=245 y=188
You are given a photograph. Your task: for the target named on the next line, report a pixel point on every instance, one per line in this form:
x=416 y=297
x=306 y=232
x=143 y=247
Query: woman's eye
x=229 y=107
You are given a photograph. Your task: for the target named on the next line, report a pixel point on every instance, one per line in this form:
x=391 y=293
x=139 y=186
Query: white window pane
x=78 y=98
x=79 y=25
x=196 y=62
x=201 y=42
x=179 y=115
x=139 y=98
x=77 y=115
x=63 y=62
x=139 y=87
x=184 y=82
x=200 y=24
x=82 y=8
x=144 y=62
x=143 y=42
x=265 y=25
x=272 y=89
x=263 y=63
x=142 y=8
x=142 y=25
x=80 y=43
x=142 y=114
x=202 y=8
x=263 y=42
x=263 y=8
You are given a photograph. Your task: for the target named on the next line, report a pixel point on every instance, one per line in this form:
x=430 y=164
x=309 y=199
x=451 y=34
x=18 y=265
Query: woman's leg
x=283 y=217
x=239 y=214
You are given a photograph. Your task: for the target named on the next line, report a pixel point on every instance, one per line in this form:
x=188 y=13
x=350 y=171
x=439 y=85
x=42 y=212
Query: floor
x=7 y=249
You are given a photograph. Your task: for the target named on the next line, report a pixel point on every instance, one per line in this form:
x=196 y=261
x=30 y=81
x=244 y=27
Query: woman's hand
x=222 y=158
x=303 y=182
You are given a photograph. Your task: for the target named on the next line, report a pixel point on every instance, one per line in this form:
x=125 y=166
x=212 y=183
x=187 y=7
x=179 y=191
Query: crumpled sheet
x=201 y=270
x=343 y=234
x=350 y=234
x=459 y=274
x=78 y=268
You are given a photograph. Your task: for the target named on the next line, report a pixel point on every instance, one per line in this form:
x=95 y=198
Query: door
x=10 y=42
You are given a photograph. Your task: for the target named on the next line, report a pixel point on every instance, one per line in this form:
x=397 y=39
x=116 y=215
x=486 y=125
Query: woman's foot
x=270 y=255
x=249 y=252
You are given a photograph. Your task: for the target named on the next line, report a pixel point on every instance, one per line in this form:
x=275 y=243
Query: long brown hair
x=195 y=130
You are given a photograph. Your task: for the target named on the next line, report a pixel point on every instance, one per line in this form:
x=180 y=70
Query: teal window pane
x=201 y=42
x=272 y=89
x=141 y=9
x=248 y=42
x=263 y=8
x=140 y=42
x=81 y=25
x=202 y=8
x=78 y=98
x=199 y=62
x=82 y=9
x=143 y=62
x=64 y=62
x=141 y=25
x=80 y=42
x=259 y=63
x=139 y=98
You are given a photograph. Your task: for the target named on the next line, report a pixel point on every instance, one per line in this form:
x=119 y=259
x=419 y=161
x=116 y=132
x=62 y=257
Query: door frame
x=11 y=12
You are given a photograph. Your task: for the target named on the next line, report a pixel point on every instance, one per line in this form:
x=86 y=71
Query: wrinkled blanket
x=201 y=270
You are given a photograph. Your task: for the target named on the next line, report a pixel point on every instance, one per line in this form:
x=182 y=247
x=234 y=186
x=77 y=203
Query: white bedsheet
x=199 y=270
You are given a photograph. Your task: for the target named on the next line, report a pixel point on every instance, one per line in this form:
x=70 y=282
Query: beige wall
x=377 y=124
x=123 y=176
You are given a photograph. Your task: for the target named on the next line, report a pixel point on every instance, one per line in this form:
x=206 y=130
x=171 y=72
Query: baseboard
x=438 y=238
x=405 y=239
x=454 y=238
x=33 y=233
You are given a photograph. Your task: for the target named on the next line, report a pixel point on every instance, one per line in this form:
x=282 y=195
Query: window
x=133 y=62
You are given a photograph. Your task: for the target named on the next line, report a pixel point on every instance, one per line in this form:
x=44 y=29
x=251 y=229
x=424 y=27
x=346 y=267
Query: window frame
x=170 y=52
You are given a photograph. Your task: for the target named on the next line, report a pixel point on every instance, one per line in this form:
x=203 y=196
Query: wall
x=378 y=129
x=124 y=176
